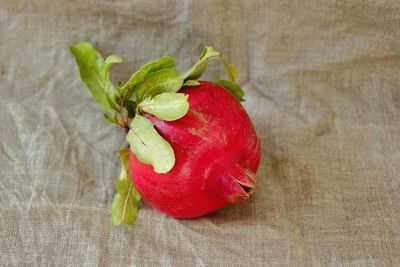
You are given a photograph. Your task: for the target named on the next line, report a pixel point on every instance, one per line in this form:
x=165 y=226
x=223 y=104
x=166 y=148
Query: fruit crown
x=152 y=89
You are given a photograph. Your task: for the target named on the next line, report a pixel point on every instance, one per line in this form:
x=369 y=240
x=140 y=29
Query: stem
x=126 y=129
x=123 y=119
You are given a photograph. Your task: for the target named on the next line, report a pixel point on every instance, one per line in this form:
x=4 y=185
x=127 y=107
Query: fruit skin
x=217 y=154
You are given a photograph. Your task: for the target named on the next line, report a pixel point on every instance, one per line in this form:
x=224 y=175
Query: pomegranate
x=217 y=155
x=192 y=147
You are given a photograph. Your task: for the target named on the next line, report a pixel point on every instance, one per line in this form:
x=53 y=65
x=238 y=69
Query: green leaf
x=232 y=87
x=206 y=57
x=191 y=83
x=140 y=75
x=166 y=106
x=232 y=71
x=130 y=107
x=126 y=203
x=110 y=119
x=111 y=92
x=165 y=80
x=94 y=73
x=107 y=64
x=207 y=53
x=149 y=147
x=111 y=100
x=200 y=71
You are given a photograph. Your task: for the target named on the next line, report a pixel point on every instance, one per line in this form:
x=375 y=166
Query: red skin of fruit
x=217 y=154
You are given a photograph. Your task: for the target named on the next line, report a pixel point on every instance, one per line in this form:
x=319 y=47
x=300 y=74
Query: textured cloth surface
x=323 y=89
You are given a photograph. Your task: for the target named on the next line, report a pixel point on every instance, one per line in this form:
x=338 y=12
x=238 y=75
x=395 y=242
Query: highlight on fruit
x=192 y=147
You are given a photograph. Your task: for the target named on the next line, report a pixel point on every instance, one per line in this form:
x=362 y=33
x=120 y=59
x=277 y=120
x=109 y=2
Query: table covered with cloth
x=322 y=83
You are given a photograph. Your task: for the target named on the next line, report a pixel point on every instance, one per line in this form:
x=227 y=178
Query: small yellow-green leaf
x=126 y=202
x=232 y=87
x=149 y=147
x=200 y=70
x=164 y=80
x=166 y=106
x=208 y=52
x=191 y=83
x=232 y=71
x=208 y=55
x=110 y=119
x=193 y=73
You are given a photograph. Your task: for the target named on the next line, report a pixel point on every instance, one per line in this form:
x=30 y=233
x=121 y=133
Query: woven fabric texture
x=322 y=82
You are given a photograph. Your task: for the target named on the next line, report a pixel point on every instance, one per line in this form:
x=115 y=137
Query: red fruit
x=217 y=154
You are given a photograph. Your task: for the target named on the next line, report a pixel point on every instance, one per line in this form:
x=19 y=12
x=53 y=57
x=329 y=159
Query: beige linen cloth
x=323 y=89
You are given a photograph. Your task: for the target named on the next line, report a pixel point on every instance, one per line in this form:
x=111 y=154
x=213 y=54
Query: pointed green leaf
x=94 y=73
x=232 y=87
x=126 y=203
x=191 y=83
x=149 y=147
x=110 y=119
x=232 y=71
x=200 y=70
x=165 y=80
x=207 y=53
x=206 y=57
x=166 y=106
x=140 y=75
